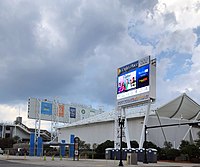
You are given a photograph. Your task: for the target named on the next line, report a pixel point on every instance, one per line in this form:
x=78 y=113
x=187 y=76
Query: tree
x=149 y=144
x=7 y=143
x=100 y=150
x=81 y=144
x=198 y=134
x=191 y=150
x=87 y=146
x=16 y=139
x=167 y=145
x=107 y=144
x=134 y=144
x=167 y=152
x=94 y=146
x=184 y=144
x=172 y=153
x=198 y=140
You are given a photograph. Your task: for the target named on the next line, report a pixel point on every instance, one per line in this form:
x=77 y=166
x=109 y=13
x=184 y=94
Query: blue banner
x=71 y=148
x=62 y=148
x=32 y=144
x=39 y=146
x=46 y=108
x=72 y=111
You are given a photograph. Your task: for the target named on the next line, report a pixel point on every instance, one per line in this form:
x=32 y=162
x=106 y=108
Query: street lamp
x=145 y=145
x=121 y=121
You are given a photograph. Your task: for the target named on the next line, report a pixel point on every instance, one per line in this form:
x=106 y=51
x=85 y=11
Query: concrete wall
x=91 y=133
x=135 y=128
x=19 y=132
x=14 y=131
x=100 y=132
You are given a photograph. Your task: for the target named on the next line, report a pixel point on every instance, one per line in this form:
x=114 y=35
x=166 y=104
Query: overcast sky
x=71 y=49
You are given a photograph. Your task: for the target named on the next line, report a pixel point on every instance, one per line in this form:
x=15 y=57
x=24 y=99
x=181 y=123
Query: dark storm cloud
x=29 y=68
x=69 y=49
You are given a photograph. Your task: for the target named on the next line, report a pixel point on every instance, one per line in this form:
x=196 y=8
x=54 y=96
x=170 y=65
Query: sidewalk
x=66 y=162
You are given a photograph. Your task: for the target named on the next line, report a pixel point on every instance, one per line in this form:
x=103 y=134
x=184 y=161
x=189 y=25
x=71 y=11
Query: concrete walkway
x=66 y=162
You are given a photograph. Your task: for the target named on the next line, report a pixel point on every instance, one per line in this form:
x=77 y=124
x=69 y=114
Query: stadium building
x=17 y=128
x=102 y=127
x=136 y=86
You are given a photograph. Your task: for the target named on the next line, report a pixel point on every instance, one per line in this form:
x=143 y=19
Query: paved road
x=17 y=161
x=5 y=163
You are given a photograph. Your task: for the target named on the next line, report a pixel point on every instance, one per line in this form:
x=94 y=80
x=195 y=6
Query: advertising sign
x=46 y=108
x=134 y=82
x=61 y=110
x=51 y=111
x=72 y=111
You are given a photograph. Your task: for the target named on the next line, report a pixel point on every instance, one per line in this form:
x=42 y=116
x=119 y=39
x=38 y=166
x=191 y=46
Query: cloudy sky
x=71 y=49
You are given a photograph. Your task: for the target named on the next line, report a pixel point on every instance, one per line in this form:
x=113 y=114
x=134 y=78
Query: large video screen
x=132 y=80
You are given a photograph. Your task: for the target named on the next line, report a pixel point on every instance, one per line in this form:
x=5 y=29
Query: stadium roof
x=105 y=117
x=182 y=107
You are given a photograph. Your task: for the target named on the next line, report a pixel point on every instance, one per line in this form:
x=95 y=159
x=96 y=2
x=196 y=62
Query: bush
x=149 y=144
x=100 y=150
x=7 y=143
x=172 y=153
x=134 y=144
x=191 y=150
x=168 y=153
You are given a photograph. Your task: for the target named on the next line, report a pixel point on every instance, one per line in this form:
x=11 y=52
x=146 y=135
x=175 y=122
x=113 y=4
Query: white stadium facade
x=102 y=127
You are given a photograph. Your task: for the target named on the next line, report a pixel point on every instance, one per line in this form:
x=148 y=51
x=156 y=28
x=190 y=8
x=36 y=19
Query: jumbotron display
x=134 y=82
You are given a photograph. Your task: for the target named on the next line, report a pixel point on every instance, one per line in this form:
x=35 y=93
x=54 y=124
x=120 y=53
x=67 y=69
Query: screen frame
x=141 y=93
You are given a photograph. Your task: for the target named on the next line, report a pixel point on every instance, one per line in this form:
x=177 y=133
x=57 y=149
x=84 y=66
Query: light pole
x=145 y=145
x=121 y=125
